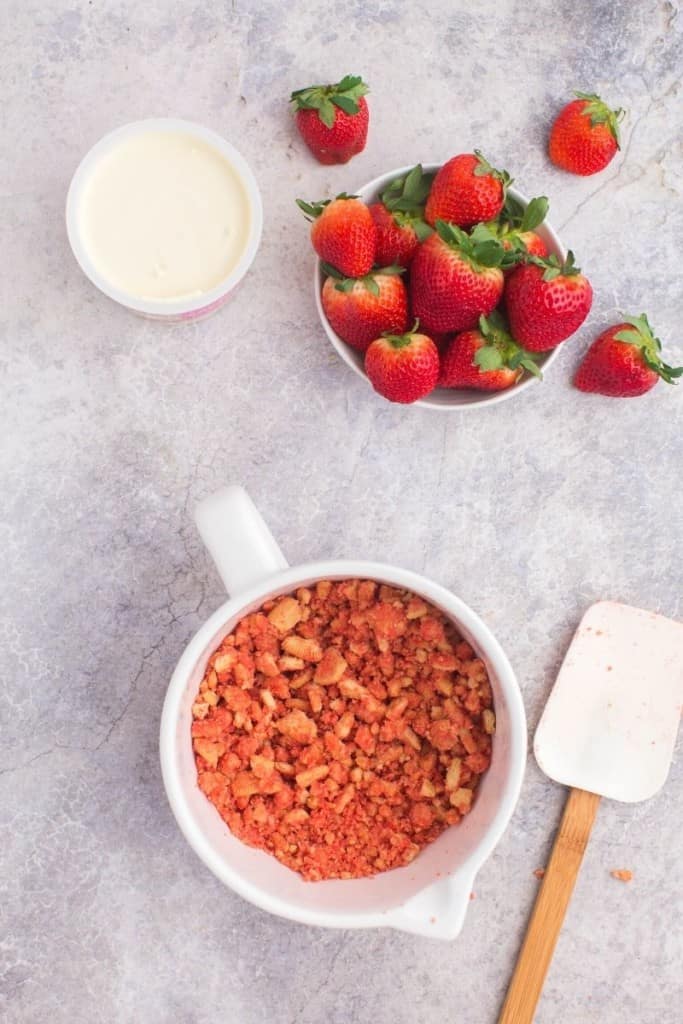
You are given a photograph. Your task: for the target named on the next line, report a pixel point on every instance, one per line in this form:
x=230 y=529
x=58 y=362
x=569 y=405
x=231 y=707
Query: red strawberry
x=343 y=233
x=531 y=242
x=585 y=135
x=516 y=225
x=403 y=367
x=624 y=361
x=546 y=302
x=333 y=119
x=399 y=218
x=466 y=190
x=397 y=241
x=486 y=358
x=456 y=278
x=360 y=309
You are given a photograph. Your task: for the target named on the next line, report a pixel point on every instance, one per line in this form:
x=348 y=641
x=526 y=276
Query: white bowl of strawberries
x=466 y=260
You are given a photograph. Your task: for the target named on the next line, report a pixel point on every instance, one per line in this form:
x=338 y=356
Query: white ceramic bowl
x=170 y=310
x=431 y=895
x=443 y=399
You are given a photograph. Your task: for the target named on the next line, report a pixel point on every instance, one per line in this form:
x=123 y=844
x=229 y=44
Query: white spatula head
x=611 y=720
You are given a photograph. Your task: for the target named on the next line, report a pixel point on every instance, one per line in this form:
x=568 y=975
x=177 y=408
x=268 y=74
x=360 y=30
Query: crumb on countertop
x=539 y=872
x=622 y=874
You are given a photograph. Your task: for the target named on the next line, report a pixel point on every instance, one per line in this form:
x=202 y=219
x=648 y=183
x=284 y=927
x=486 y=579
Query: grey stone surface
x=113 y=427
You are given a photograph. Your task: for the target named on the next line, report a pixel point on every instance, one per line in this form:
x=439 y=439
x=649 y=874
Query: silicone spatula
x=608 y=729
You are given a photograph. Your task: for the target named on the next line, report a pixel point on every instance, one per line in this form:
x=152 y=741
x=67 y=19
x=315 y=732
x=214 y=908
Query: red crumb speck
x=473 y=895
x=622 y=874
x=539 y=872
x=342 y=728
x=609 y=668
x=432 y=920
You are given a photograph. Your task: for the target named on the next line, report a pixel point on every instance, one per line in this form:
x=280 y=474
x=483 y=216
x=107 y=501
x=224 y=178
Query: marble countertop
x=114 y=426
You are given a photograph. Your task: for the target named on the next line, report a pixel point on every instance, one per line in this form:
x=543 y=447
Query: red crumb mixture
x=342 y=728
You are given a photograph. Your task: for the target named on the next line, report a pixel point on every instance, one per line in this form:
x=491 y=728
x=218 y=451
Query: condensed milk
x=165 y=217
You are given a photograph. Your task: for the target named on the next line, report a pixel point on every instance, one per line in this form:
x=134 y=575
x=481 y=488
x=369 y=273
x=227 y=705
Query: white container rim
x=163 y=307
x=282 y=582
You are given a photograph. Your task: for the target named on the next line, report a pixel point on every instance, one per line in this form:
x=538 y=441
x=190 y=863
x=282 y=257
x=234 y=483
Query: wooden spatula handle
x=550 y=907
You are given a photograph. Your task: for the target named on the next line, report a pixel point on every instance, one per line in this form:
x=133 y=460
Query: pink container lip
x=171 y=310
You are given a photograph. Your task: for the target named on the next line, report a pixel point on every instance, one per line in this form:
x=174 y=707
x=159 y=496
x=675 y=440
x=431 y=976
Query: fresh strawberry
x=625 y=361
x=333 y=119
x=486 y=358
x=343 y=233
x=585 y=135
x=546 y=301
x=466 y=190
x=360 y=309
x=397 y=240
x=399 y=218
x=456 y=278
x=516 y=225
x=403 y=367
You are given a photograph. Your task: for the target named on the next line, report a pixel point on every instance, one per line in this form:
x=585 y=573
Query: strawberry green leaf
x=529 y=364
x=630 y=337
x=324 y=98
x=484 y=168
x=312 y=210
x=491 y=323
x=534 y=214
x=393 y=271
x=415 y=186
x=421 y=229
x=345 y=103
x=600 y=113
x=552 y=267
x=350 y=82
x=488 y=358
x=408 y=193
x=488 y=254
x=326 y=113
x=642 y=326
x=331 y=271
x=497 y=335
x=643 y=337
x=485 y=247
x=480 y=247
x=309 y=102
x=512 y=211
x=450 y=233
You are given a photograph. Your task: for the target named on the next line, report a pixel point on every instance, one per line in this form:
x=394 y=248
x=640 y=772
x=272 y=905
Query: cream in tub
x=164 y=217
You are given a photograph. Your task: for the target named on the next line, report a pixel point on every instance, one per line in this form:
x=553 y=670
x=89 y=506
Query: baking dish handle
x=237 y=538
x=438 y=911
